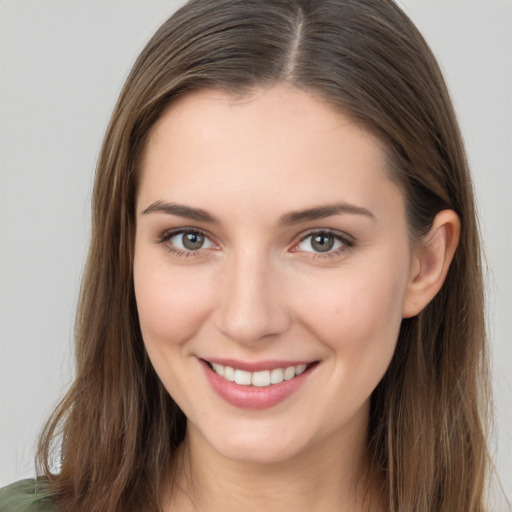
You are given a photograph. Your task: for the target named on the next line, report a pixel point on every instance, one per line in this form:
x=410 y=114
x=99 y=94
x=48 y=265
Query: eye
x=323 y=243
x=185 y=242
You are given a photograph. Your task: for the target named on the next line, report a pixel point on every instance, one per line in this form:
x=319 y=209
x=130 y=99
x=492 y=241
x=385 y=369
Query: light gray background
x=62 y=64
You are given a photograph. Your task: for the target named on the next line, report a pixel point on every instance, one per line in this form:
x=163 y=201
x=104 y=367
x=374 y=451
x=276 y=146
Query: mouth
x=261 y=378
x=260 y=385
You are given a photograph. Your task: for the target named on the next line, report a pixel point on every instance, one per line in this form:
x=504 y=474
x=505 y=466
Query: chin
x=259 y=444
x=271 y=452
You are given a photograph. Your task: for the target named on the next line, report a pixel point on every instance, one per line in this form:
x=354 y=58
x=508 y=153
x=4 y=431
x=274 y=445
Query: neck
x=331 y=476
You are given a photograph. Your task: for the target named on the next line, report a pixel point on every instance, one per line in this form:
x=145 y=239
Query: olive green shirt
x=27 y=496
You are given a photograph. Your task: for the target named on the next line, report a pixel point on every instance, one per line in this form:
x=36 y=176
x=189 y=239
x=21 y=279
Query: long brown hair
x=118 y=427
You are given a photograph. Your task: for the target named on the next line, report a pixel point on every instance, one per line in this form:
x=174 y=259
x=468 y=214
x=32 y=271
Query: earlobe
x=430 y=262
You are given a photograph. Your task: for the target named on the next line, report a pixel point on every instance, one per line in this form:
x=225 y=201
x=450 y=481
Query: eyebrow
x=181 y=210
x=289 y=219
x=320 y=212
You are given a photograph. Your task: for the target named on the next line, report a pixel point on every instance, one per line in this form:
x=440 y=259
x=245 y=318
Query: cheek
x=171 y=303
x=358 y=313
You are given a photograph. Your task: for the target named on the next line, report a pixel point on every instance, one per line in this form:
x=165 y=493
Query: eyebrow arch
x=320 y=212
x=181 y=210
x=289 y=219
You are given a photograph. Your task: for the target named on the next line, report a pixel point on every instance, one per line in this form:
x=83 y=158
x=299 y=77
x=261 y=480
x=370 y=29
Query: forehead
x=276 y=116
x=281 y=144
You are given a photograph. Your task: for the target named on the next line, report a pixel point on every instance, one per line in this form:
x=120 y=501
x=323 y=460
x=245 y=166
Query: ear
x=430 y=262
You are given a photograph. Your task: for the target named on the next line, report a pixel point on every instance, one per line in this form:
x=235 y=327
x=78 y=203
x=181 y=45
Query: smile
x=260 y=385
x=259 y=379
x=257 y=385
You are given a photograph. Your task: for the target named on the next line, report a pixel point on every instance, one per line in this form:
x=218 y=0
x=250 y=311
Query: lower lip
x=253 y=397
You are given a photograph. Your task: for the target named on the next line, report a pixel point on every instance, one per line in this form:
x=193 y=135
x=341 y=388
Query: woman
x=282 y=305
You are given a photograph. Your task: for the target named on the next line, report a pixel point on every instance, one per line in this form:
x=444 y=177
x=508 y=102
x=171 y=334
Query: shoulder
x=27 y=496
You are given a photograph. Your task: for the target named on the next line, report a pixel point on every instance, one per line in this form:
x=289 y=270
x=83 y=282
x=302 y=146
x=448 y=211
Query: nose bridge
x=251 y=307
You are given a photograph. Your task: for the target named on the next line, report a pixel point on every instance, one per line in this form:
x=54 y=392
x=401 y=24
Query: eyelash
x=165 y=237
x=346 y=242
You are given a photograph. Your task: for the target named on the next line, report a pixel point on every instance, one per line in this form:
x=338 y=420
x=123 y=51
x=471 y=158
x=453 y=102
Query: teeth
x=243 y=377
x=289 y=373
x=300 y=369
x=276 y=376
x=229 y=373
x=259 y=379
x=219 y=369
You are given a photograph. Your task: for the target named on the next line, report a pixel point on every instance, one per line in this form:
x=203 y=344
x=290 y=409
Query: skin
x=259 y=290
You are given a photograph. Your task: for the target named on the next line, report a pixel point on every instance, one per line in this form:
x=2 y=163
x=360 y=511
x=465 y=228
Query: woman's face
x=272 y=249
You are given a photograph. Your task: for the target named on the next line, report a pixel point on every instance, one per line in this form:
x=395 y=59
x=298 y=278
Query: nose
x=251 y=303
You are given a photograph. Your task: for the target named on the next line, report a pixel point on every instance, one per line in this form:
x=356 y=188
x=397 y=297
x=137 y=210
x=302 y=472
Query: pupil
x=193 y=241
x=322 y=243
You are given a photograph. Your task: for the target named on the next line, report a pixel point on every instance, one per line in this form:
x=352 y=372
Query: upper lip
x=257 y=366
